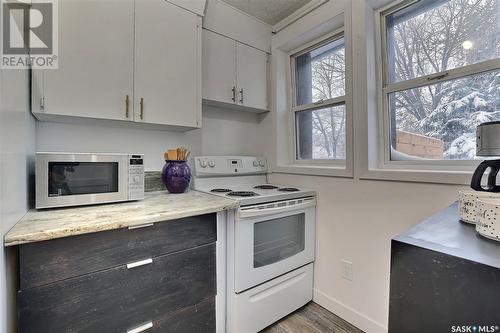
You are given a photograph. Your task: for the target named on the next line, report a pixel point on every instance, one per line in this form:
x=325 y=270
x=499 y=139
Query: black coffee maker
x=487 y=144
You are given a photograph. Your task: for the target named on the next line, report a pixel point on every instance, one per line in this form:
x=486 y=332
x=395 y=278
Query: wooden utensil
x=178 y=154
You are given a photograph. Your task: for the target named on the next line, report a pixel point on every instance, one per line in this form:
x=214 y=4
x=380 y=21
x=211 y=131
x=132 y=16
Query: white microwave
x=74 y=179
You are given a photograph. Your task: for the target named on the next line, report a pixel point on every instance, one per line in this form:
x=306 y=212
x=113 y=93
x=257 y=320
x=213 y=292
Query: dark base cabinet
x=171 y=292
x=198 y=318
x=432 y=292
x=444 y=278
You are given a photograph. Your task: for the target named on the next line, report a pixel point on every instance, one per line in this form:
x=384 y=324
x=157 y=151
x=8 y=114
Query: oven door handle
x=276 y=207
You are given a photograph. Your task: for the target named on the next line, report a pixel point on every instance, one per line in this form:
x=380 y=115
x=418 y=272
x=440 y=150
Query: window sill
x=419 y=176
x=314 y=170
x=397 y=175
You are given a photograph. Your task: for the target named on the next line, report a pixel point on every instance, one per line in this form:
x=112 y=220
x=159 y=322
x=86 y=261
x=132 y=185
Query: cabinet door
x=58 y=259
x=96 y=43
x=195 y=6
x=251 y=74
x=167 y=64
x=219 y=68
x=118 y=299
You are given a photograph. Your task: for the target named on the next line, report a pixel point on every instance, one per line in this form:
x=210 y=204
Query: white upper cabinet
x=234 y=74
x=218 y=67
x=95 y=62
x=251 y=75
x=195 y=6
x=167 y=64
x=128 y=51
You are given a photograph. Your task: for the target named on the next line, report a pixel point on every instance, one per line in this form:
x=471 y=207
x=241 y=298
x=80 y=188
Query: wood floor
x=311 y=318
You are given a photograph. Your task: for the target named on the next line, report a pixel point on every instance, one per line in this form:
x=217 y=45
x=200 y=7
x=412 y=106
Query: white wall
x=16 y=164
x=227 y=132
x=115 y=138
x=356 y=218
x=224 y=132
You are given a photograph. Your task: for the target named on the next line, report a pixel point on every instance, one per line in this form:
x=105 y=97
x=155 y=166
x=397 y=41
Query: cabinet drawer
x=121 y=298
x=58 y=259
x=197 y=318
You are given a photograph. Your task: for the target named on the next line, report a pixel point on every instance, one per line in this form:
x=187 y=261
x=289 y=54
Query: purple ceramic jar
x=176 y=176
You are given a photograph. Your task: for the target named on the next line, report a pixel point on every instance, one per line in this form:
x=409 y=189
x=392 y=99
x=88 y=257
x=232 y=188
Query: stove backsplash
x=152 y=181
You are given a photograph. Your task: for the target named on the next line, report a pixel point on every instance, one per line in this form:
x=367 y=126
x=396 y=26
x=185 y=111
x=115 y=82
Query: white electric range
x=270 y=240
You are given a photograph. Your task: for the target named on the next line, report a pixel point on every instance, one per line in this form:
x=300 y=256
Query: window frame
x=341 y=164
x=384 y=88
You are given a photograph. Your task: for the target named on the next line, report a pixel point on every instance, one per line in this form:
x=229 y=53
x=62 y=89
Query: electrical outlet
x=347 y=270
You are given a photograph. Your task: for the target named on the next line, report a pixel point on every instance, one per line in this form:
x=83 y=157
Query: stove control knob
x=255 y=163
x=211 y=163
x=136 y=179
x=203 y=163
x=261 y=163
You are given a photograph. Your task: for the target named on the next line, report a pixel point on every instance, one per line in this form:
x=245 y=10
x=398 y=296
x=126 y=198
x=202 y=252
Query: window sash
x=387 y=88
x=338 y=101
x=448 y=75
x=336 y=36
x=321 y=104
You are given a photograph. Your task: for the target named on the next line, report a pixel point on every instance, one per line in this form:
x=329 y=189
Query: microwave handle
x=255 y=211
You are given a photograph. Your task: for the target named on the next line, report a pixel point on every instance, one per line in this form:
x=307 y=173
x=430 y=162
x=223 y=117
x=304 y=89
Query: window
x=441 y=77
x=319 y=101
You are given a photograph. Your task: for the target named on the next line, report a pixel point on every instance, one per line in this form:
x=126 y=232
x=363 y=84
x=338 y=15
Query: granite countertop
x=445 y=233
x=39 y=225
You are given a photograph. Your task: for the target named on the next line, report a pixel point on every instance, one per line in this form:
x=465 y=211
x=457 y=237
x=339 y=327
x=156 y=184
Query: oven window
x=74 y=178
x=278 y=239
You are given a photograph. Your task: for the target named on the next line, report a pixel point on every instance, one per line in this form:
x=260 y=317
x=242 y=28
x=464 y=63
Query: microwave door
x=77 y=178
x=80 y=180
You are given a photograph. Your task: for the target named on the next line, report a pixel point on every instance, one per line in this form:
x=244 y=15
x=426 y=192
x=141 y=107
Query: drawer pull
x=140 y=263
x=141 y=328
x=140 y=226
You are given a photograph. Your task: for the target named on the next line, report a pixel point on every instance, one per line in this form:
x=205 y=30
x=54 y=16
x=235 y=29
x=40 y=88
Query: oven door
x=80 y=179
x=273 y=239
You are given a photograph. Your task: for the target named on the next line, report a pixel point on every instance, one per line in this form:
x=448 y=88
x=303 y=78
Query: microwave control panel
x=136 y=177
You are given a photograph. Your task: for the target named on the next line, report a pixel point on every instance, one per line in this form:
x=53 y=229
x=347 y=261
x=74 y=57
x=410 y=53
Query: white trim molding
x=299 y=13
x=314 y=170
x=347 y=313
x=424 y=170
x=327 y=167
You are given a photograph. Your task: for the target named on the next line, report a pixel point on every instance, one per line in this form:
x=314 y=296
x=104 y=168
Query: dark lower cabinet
x=53 y=260
x=435 y=292
x=444 y=278
x=198 y=318
x=173 y=292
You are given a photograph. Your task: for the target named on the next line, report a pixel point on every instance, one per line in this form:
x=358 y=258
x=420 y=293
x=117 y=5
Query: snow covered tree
x=446 y=35
x=328 y=81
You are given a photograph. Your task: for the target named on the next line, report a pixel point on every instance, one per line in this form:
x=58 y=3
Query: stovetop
x=249 y=194
x=241 y=178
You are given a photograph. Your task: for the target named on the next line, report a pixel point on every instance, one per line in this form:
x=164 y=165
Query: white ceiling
x=269 y=11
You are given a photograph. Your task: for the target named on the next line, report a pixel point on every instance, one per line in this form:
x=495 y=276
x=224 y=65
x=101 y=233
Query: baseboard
x=347 y=313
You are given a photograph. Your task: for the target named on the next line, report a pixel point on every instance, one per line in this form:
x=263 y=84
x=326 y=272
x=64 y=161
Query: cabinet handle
x=234 y=94
x=126 y=106
x=142 y=108
x=141 y=328
x=241 y=94
x=140 y=263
